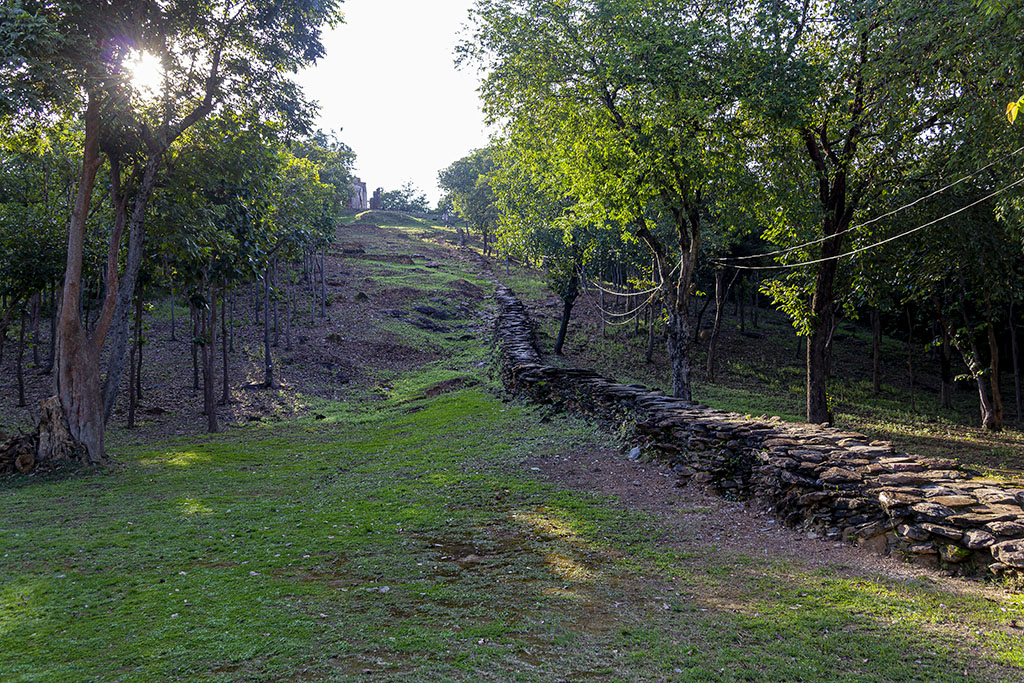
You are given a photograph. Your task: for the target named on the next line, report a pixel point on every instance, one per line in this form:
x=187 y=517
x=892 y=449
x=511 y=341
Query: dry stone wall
x=829 y=482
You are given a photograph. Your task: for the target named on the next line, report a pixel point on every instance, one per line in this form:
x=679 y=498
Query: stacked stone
x=832 y=483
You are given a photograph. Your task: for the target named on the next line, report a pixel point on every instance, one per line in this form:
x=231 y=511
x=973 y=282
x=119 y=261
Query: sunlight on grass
x=568 y=568
x=17 y=601
x=191 y=507
x=179 y=459
x=545 y=524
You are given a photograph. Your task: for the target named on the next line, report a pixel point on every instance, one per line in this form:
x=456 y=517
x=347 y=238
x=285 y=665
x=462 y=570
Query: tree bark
x=78 y=375
x=34 y=327
x=567 y=304
x=323 y=283
x=195 y=346
x=993 y=376
x=133 y=377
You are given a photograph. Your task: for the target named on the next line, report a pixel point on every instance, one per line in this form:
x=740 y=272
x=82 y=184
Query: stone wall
x=828 y=482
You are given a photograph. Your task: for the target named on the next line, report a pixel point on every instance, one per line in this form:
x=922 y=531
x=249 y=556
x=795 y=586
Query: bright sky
x=389 y=83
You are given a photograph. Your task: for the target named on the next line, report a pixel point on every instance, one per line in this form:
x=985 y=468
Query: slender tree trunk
x=21 y=360
x=993 y=377
x=195 y=346
x=323 y=283
x=972 y=360
x=755 y=305
x=721 y=295
x=1016 y=361
x=231 y=328
x=173 y=337
x=876 y=351
x=268 y=360
x=133 y=376
x=649 y=354
x=910 y=358
x=567 y=304
x=277 y=306
x=52 y=355
x=600 y=290
x=36 y=303
x=140 y=341
x=290 y=305
x=225 y=396
x=742 y=299
x=209 y=351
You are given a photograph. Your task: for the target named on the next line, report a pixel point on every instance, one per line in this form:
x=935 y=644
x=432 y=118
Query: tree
x=468 y=184
x=408 y=198
x=851 y=95
x=634 y=100
x=211 y=53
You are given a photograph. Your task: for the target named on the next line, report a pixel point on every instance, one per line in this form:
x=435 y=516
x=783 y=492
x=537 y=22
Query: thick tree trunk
x=876 y=351
x=78 y=374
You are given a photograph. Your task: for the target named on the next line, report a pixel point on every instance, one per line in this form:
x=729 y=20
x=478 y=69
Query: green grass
x=317 y=549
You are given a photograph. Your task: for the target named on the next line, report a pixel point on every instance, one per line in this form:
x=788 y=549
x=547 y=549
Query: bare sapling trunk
x=968 y=349
x=876 y=351
x=568 y=299
x=231 y=329
x=721 y=294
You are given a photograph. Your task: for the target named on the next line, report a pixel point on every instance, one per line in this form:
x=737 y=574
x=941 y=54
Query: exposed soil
x=334 y=357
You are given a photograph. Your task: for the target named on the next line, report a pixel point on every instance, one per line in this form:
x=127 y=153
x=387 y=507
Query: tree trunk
x=268 y=360
x=225 y=397
x=78 y=373
x=277 y=306
x=742 y=299
x=876 y=351
x=721 y=295
x=651 y=317
x=195 y=346
x=231 y=329
x=755 y=306
x=910 y=358
x=52 y=356
x=21 y=359
x=209 y=351
x=567 y=304
x=993 y=376
x=140 y=341
x=173 y=337
x=323 y=283
x=34 y=326
x=1016 y=362
x=290 y=306
x=972 y=360
x=133 y=377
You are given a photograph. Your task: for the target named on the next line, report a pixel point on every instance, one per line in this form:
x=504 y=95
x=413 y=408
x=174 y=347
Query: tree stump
x=18 y=454
x=54 y=438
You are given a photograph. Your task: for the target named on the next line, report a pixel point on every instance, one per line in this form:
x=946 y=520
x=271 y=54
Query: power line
x=787 y=250
x=885 y=241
